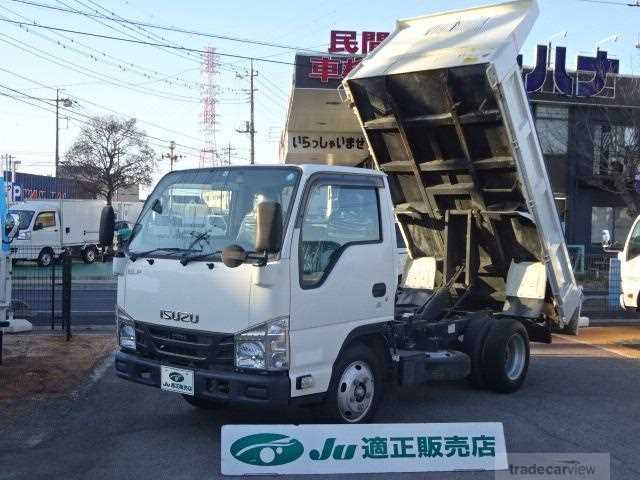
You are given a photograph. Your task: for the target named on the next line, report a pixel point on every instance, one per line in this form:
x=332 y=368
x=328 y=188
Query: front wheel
x=46 y=257
x=506 y=356
x=356 y=387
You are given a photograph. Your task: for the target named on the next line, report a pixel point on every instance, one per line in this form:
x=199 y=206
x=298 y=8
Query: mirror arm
x=257 y=259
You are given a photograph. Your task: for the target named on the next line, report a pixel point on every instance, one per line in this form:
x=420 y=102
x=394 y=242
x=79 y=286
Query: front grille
x=184 y=347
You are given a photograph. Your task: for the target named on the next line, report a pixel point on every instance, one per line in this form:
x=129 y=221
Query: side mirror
x=233 y=256
x=11 y=224
x=268 y=227
x=38 y=226
x=606 y=238
x=107 y=222
x=157 y=206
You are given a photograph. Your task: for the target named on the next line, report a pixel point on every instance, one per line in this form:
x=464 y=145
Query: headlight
x=264 y=347
x=24 y=235
x=126 y=329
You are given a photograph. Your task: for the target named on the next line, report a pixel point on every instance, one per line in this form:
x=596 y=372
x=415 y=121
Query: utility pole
x=67 y=102
x=172 y=156
x=250 y=125
x=228 y=151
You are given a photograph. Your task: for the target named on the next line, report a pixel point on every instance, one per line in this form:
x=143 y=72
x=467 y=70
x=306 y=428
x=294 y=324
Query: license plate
x=176 y=380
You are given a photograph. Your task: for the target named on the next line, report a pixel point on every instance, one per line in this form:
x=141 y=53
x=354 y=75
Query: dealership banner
x=362 y=448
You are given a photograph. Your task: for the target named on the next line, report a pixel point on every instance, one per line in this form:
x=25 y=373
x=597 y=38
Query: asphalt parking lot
x=578 y=397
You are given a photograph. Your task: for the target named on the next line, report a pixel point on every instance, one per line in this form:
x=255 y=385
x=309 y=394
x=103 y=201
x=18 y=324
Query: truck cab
x=269 y=330
x=39 y=231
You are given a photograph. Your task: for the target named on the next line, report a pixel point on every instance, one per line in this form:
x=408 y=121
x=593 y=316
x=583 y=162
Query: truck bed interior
x=440 y=137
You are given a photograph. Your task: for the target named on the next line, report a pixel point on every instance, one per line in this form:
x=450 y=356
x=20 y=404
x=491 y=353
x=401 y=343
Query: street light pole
x=67 y=102
x=57 y=131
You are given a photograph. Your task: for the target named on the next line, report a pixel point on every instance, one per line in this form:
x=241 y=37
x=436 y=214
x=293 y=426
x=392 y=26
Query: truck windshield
x=24 y=216
x=203 y=211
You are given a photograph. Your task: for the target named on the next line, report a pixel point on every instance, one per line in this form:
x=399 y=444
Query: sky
x=161 y=87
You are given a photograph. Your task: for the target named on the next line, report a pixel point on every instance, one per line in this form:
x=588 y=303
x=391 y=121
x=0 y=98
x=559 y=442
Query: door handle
x=379 y=290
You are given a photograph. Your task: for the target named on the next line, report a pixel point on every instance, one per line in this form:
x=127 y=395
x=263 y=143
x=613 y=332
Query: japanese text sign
x=326 y=143
x=346 y=41
x=377 y=448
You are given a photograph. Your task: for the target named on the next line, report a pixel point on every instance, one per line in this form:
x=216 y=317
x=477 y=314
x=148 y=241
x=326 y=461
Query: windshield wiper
x=135 y=255
x=190 y=258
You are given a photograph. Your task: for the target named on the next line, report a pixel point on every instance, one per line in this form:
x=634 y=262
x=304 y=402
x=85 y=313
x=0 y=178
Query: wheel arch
x=373 y=336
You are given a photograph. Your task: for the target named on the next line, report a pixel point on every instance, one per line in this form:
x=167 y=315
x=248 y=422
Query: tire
x=473 y=345
x=506 y=356
x=202 y=403
x=356 y=386
x=46 y=257
x=90 y=254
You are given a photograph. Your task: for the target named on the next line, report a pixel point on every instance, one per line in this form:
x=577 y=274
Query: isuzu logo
x=179 y=316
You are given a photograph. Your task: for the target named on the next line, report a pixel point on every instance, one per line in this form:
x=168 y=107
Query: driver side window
x=336 y=217
x=633 y=250
x=46 y=219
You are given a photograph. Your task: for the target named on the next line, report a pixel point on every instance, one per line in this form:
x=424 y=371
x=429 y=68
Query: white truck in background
x=49 y=227
x=294 y=299
x=630 y=269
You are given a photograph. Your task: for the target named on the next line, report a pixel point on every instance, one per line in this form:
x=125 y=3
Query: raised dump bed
x=443 y=108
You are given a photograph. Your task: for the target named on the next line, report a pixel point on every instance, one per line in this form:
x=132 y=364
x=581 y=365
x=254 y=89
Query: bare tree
x=110 y=154
x=610 y=156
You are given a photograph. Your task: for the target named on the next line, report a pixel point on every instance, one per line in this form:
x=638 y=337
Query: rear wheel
x=506 y=356
x=90 y=254
x=473 y=345
x=202 y=403
x=356 y=387
x=46 y=257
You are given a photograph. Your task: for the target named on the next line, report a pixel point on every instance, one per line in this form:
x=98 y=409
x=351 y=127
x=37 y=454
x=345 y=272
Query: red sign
x=331 y=68
x=346 y=41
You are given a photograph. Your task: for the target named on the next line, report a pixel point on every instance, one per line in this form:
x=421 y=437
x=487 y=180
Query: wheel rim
x=91 y=255
x=355 y=391
x=45 y=259
x=516 y=356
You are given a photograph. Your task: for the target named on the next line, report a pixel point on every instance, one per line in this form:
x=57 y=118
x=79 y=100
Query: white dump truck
x=285 y=292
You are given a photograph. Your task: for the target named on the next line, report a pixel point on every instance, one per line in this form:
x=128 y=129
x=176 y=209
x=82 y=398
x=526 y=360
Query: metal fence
x=42 y=294
x=599 y=276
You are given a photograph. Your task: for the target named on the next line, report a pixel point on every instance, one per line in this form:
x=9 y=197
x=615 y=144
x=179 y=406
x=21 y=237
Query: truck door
x=342 y=270
x=45 y=230
x=630 y=268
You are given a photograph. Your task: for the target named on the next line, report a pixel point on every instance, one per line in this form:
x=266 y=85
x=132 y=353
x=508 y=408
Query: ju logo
x=267 y=449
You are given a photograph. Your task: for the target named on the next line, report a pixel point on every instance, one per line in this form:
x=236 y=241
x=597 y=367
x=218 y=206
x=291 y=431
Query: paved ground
x=578 y=398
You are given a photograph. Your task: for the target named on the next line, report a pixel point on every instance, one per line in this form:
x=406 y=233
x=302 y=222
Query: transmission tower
x=208 y=100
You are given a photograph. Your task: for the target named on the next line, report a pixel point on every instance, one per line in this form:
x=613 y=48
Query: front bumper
x=221 y=385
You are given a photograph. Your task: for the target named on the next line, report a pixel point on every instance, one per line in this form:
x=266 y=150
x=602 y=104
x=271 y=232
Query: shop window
x=613 y=144
x=552 y=124
x=614 y=219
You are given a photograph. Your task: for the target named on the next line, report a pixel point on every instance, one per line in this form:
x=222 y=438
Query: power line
x=80 y=12
x=168 y=28
x=100 y=106
x=72 y=114
x=93 y=74
x=608 y=2
x=102 y=56
x=142 y=42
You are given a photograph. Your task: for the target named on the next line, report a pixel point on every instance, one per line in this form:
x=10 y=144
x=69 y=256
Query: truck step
x=417 y=366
